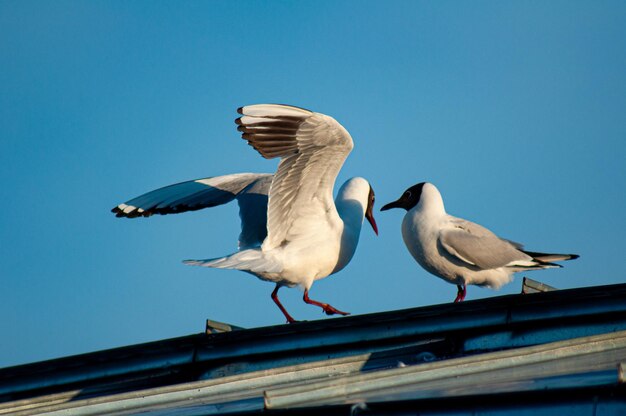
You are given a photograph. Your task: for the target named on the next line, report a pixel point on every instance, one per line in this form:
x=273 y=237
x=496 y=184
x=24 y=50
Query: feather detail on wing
x=250 y=190
x=477 y=246
x=312 y=148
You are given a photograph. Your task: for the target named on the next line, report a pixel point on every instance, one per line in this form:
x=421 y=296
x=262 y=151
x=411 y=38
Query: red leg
x=328 y=310
x=290 y=320
x=460 y=294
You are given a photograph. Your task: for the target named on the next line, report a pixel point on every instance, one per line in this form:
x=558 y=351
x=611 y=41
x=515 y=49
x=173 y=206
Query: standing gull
x=459 y=251
x=292 y=232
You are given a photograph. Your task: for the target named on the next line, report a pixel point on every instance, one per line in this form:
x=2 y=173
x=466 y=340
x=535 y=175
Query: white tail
x=251 y=260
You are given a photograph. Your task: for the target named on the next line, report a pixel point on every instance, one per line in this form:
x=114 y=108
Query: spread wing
x=312 y=148
x=477 y=246
x=250 y=190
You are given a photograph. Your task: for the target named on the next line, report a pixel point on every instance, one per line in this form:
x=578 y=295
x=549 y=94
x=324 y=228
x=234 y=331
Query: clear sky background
x=515 y=110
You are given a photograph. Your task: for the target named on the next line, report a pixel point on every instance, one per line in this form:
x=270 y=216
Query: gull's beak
x=371 y=220
x=394 y=204
x=369 y=211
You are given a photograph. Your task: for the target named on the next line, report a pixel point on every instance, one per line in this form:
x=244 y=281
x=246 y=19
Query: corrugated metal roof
x=509 y=346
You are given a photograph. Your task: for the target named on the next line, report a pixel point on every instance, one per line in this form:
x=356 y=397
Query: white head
x=424 y=196
x=360 y=191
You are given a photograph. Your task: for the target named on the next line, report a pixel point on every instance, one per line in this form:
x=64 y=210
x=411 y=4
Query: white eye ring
x=408 y=194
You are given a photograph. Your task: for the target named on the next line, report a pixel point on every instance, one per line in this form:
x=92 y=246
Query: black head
x=409 y=198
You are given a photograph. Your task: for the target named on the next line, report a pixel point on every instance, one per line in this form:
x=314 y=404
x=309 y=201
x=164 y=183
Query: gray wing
x=250 y=190
x=253 y=212
x=477 y=246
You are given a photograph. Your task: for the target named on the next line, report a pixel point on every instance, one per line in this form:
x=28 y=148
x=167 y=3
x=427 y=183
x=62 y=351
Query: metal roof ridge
x=548 y=309
x=335 y=388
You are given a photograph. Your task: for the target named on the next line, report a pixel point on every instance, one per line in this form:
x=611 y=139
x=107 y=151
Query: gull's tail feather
x=541 y=261
x=252 y=260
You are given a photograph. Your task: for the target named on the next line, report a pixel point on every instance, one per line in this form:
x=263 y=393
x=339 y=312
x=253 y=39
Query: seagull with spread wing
x=292 y=231
x=459 y=251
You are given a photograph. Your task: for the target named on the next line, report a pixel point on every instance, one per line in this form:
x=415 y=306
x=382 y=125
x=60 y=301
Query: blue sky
x=515 y=110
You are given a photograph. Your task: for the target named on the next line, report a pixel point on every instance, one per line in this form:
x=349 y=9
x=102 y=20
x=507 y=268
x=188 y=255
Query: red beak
x=372 y=221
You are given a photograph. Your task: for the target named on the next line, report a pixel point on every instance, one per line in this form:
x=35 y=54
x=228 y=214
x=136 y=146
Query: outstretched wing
x=250 y=190
x=477 y=246
x=312 y=148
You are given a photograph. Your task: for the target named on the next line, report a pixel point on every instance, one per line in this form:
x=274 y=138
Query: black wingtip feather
x=537 y=256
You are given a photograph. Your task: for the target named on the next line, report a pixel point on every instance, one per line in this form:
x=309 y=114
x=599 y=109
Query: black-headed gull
x=292 y=232
x=459 y=251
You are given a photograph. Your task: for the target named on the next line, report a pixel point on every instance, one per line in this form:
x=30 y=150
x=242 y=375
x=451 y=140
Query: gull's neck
x=351 y=203
x=430 y=203
x=351 y=212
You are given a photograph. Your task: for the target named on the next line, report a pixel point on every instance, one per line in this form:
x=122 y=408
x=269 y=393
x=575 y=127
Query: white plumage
x=293 y=233
x=460 y=251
